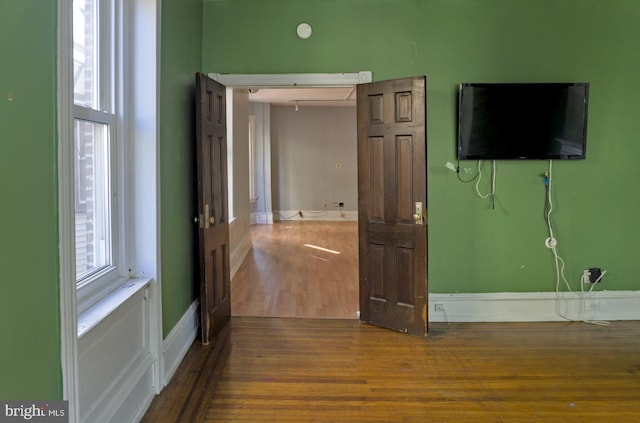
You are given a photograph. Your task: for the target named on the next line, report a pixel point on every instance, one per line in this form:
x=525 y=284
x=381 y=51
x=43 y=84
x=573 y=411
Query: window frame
x=136 y=72
x=96 y=285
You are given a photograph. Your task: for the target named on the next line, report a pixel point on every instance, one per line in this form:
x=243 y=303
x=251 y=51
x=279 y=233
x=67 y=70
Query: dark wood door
x=211 y=133
x=392 y=188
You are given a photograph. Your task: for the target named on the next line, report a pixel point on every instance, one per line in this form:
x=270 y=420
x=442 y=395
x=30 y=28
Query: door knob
x=417 y=216
x=212 y=220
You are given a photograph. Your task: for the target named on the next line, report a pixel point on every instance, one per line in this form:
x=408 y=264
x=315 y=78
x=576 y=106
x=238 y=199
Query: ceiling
x=307 y=96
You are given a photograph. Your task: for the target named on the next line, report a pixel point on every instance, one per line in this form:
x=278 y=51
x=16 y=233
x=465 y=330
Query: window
x=92 y=205
x=94 y=149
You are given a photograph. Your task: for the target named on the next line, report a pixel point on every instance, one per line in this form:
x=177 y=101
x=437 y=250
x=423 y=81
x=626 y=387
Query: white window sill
x=89 y=318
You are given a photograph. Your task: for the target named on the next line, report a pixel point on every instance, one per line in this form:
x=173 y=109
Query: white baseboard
x=534 y=306
x=316 y=215
x=178 y=341
x=264 y=218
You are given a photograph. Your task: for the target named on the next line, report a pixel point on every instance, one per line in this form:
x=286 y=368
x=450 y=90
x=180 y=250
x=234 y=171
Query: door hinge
x=199 y=219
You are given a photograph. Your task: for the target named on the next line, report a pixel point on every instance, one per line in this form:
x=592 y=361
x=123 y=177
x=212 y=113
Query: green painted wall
x=474 y=248
x=180 y=58
x=29 y=285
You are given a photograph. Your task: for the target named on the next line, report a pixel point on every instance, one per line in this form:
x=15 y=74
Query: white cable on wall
x=552 y=243
x=585 y=279
x=491 y=193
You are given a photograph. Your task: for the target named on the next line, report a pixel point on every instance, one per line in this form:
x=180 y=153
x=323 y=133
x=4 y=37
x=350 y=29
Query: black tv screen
x=532 y=121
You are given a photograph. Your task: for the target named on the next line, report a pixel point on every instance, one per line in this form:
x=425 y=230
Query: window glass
x=92 y=205
x=93 y=132
x=85 y=53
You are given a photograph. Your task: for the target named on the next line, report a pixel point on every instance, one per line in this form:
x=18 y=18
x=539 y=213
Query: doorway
x=242 y=231
x=391 y=163
x=304 y=262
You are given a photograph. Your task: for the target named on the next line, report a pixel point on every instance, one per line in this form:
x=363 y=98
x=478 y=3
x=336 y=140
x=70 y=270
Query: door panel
x=376 y=178
x=404 y=170
x=392 y=179
x=211 y=134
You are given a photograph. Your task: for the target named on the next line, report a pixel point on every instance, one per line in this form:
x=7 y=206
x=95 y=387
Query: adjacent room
x=303 y=205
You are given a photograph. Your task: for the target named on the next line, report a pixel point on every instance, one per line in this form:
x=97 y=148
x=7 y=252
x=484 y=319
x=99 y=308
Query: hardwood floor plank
x=193 y=384
x=330 y=370
x=310 y=376
x=299 y=269
x=333 y=369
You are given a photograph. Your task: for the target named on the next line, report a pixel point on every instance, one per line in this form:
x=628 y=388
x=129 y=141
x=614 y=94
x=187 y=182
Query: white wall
x=239 y=234
x=262 y=112
x=314 y=158
x=240 y=157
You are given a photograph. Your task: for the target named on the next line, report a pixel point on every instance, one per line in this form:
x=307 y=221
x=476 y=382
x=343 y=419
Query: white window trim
x=96 y=286
x=110 y=112
x=66 y=198
x=142 y=60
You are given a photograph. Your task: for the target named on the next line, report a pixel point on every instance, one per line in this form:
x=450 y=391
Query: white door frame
x=236 y=80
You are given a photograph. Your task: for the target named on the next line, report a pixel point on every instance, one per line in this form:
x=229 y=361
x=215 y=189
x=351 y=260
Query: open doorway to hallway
x=309 y=163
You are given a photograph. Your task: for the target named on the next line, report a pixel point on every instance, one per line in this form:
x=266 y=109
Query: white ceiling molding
x=292 y=79
x=307 y=96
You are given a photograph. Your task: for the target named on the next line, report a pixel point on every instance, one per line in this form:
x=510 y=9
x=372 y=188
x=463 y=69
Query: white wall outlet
x=592 y=305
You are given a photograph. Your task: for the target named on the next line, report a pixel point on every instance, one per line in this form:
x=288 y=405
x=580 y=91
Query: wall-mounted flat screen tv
x=531 y=121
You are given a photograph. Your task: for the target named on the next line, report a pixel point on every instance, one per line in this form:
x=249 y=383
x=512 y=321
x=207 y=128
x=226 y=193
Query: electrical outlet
x=438 y=307
x=592 y=305
x=595 y=274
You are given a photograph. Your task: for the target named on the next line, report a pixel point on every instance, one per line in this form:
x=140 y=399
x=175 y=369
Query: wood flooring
x=324 y=370
x=328 y=367
x=299 y=269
